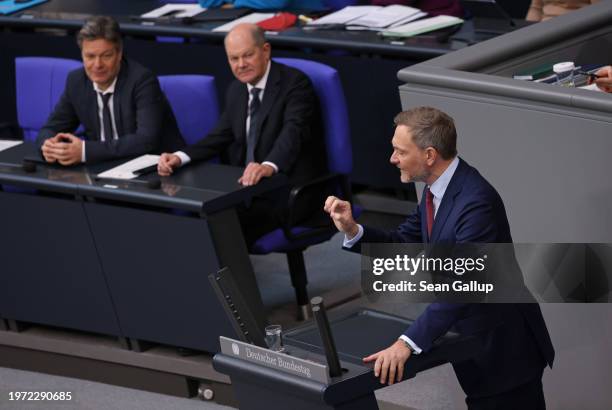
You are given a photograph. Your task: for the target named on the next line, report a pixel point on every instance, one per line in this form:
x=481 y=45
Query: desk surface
x=199 y=187
x=70 y=15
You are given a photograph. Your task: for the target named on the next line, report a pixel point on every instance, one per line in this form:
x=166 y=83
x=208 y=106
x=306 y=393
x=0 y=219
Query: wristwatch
x=407 y=345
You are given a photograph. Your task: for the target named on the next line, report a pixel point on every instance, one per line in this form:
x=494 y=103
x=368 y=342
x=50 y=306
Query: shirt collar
x=110 y=89
x=261 y=84
x=438 y=188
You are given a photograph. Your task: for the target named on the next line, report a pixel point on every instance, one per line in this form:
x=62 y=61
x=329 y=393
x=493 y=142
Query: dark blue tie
x=106 y=117
x=252 y=135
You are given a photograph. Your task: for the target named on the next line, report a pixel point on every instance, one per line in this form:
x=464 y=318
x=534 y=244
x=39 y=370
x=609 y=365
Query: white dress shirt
x=261 y=84
x=438 y=188
x=110 y=89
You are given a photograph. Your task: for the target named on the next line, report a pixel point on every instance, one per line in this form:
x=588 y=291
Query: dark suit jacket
x=290 y=133
x=144 y=119
x=515 y=342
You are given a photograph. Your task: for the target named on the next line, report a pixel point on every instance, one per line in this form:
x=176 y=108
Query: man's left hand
x=390 y=362
x=254 y=172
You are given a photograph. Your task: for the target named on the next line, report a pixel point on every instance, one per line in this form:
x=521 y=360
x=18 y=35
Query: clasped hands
x=253 y=173
x=64 y=148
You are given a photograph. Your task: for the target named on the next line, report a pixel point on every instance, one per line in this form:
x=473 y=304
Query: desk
x=118 y=258
x=367 y=64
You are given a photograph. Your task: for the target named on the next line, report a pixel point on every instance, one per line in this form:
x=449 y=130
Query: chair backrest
x=40 y=82
x=328 y=88
x=193 y=99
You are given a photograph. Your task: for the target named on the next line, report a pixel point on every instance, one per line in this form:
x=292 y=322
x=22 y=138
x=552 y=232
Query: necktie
x=252 y=135
x=106 y=117
x=429 y=208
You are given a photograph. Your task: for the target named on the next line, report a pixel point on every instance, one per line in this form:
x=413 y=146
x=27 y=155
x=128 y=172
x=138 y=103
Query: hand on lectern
x=390 y=362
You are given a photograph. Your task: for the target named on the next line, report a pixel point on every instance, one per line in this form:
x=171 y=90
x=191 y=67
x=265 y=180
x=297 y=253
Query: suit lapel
x=270 y=94
x=118 y=97
x=448 y=200
x=91 y=104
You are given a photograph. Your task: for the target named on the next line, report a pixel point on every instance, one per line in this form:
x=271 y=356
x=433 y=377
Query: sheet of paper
x=249 y=18
x=422 y=26
x=344 y=15
x=397 y=24
x=6 y=144
x=126 y=170
x=385 y=16
x=183 y=10
x=591 y=87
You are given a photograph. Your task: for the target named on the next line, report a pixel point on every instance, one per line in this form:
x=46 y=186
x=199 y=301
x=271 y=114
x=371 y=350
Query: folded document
x=6 y=144
x=422 y=26
x=129 y=170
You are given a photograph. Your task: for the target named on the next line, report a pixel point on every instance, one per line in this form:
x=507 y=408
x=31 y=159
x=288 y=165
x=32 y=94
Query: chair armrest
x=332 y=184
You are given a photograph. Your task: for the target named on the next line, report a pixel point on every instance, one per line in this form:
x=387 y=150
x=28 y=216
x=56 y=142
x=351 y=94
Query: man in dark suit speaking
x=270 y=123
x=458 y=206
x=118 y=102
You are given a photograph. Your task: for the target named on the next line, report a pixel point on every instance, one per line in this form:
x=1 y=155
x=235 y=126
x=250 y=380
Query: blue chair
x=193 y=99
x=293 y=240
x=40 y=81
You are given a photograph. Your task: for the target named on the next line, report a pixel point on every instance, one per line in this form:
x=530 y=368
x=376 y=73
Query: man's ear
x=267 y=48
x=431 y=155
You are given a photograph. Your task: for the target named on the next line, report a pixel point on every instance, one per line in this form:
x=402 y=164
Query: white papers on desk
x=344 y=15
x=389 y=16
x=6 y=144
x=182 y=10
x=249 y=18
x=591 y=87
x=126 y=170
x=422 y=26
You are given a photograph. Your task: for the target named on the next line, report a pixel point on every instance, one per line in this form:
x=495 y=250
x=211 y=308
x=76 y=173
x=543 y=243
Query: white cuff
x=272 y=164
x=417 y=349
x=183 y=157
x=348 y=243
x=83 y=159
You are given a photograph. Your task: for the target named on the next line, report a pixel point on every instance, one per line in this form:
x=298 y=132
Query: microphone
x=318 y=311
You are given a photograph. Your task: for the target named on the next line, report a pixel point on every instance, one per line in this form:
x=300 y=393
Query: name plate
x=275 y=360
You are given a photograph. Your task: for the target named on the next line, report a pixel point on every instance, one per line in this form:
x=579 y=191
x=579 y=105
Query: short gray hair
x=100 y=27
x=430 y=127
x=257 y=34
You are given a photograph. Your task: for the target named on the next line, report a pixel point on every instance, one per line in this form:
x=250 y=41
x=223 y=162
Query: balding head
x=248 y=53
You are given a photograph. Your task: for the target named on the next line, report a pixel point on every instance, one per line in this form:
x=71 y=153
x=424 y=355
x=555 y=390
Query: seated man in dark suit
x=271 y=123
x=459 y=206
x=118 y=102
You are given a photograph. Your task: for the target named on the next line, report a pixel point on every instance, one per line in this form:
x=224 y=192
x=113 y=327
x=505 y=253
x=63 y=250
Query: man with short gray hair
x=118 y=102
x=271 y=123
